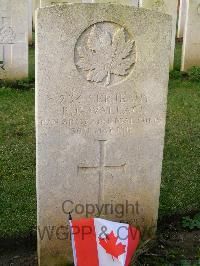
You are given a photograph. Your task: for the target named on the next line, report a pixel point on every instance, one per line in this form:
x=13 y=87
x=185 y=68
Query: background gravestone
x=123 y=2
x=35 y=4
x=30 y=25
x=191 y=39
x=168 y=7
x=182 y=18
x=44 y=3
x=101 y=94
x=13 y=39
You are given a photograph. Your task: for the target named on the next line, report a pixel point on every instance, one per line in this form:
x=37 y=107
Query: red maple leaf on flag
x=110 y=245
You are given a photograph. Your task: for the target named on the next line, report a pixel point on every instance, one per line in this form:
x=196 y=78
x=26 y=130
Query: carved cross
x=102 y=168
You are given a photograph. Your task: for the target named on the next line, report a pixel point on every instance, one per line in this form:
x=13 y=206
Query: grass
x=17 y=162
x=181 y=166
x=180 y=178
x=17 y=159
x=177 y=58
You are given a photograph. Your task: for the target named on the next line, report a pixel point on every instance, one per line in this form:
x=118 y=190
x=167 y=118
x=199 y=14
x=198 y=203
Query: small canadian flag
x=99 y=242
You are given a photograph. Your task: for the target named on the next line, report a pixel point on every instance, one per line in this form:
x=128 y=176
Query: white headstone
x=101 y=94
x=122 y=2
x=13 y=39
x=35 y=4
x=30 y=25
x=44 y=3
x=182 y=18
x=168 y=7
x=191 y=39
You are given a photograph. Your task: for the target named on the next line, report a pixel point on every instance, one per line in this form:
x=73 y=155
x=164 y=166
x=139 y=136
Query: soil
x=173 y=246
x=18 y=252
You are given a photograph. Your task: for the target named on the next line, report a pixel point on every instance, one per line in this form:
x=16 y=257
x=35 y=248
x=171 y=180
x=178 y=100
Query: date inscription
x=99 y=113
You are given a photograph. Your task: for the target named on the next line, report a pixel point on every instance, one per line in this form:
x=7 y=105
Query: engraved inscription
x=104 y=52
x=103 y=114
x=102 y=168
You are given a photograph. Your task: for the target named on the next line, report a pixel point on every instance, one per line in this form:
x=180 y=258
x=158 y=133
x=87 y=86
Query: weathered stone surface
x=182 y=18
x=44 y=3
x=191 y=39
x=13 y=39
x=122 y=2
x=168 y=7
x=101 y=93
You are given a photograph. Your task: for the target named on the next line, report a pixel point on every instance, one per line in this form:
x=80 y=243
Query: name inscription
x=99 y=113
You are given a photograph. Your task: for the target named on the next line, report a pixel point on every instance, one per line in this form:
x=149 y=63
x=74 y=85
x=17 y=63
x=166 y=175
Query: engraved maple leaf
x=105 y=55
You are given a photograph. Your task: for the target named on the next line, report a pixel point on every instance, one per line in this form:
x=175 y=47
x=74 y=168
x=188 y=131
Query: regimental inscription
x=105 y=53
x=104 y=113
x=102 y=168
